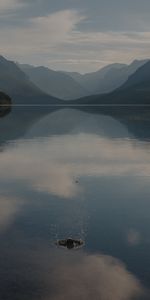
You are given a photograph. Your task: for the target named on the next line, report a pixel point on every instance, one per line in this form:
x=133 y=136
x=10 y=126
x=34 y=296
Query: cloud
x=41 y=35
x=58 y=40
x=9 y=6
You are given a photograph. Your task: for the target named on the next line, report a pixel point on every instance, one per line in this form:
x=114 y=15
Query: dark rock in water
x=70 y=243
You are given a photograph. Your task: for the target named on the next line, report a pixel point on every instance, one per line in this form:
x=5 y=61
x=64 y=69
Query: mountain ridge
x=135 y=91
x=73 y=85
x=17 y=85
x=108 y=78
x=55 y=83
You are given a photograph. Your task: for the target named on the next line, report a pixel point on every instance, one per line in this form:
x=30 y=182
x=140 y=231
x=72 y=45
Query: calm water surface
x=81 y=174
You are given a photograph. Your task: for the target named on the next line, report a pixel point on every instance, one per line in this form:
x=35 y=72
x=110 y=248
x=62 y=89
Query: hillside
x=140 y=79
x=57 y=84
x=108 y=78
x=18 y=86
x=73 y=85
x=94 y=81
x=135 y=91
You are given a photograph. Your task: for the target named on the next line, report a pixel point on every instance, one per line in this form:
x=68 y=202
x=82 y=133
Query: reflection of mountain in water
x=112 y=122
x=4 y=110
x=38 y=175
x=5 y=104
x=135 y=119
x=19 y=121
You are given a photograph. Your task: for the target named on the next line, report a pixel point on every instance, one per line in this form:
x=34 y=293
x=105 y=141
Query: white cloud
x=9 y=6
x=41 y=34
x=55 y=38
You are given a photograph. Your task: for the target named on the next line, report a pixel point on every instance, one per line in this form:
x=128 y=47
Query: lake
x=81 y=173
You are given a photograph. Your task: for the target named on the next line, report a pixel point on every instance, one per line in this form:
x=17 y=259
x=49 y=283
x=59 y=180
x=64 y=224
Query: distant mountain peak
x=15 y=83
x=56 y=83
x=2 y=58
x=142 y=74
x=138 y=62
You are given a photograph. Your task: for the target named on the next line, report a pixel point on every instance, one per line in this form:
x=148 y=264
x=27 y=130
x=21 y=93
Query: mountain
x=18 y=86
x=94 y=81
x=73 y=85
x=55 y=83
x=108 y=78
x=140 y=79
x=136 y=90
x=38 y=85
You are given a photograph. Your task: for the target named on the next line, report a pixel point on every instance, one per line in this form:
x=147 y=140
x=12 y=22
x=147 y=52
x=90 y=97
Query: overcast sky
x=78 y=35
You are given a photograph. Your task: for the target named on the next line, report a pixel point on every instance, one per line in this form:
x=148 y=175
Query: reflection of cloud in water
x=52 y=165
x=45 y=274
x=9 y=207
x=86 y=277
x=133 y=237
x=96 y=277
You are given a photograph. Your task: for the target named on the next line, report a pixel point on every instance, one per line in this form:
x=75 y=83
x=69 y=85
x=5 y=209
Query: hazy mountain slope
x=92 y=81
x=18 y=86
x=140 y=79
x=108 y=78
x=117 y=77
x=57 y=84
x=14 y=81
x=135 y=91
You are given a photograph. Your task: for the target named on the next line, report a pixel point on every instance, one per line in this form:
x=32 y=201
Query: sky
x=74 y=35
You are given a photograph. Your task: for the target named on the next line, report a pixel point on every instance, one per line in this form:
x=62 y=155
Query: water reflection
x=125 y=123
x=4 y=110
x=73 y=173
x=44 y=274
x=95 y=276
x=133 y=237
x=9 y=208
x=53 y=164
